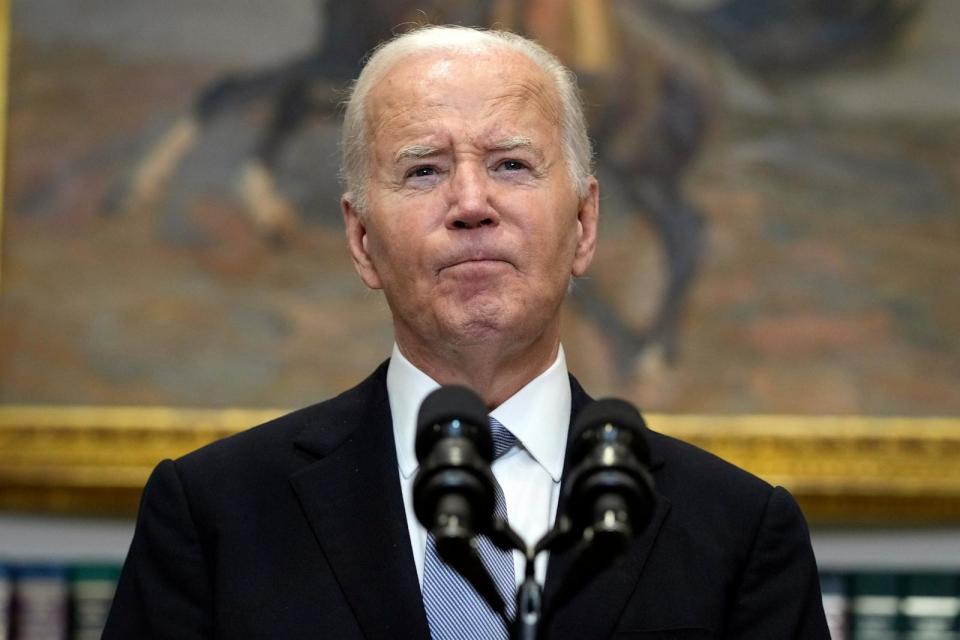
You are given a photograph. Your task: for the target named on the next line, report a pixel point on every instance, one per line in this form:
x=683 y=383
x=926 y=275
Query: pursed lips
x=474 y=258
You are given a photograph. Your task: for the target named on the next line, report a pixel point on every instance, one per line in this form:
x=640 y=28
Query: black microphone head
x=625 y=425
x=453 y=410
x=453 y=493
x=609 y=490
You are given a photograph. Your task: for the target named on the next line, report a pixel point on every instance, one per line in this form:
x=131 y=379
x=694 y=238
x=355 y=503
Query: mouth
x=475 y=257
x=475 y=265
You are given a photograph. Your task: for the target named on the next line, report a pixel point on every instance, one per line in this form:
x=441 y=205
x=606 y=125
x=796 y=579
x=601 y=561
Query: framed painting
x=777 y=280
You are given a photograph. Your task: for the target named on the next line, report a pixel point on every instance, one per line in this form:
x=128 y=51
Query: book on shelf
x=91 y=591
x=930 y=607
x=874 y=606
x=6 y=602
x=833 y=586
x=40 y=597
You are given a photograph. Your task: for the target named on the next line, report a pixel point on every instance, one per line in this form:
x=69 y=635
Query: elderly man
x=471 y=205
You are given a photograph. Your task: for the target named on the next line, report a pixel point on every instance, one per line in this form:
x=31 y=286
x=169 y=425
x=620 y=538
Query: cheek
x=390 y=257
x=399 y=254
x=380 y=244
x=565 y=228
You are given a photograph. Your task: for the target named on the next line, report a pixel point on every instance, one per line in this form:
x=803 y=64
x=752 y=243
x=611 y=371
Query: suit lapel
x=594 y=612
x=351 y=497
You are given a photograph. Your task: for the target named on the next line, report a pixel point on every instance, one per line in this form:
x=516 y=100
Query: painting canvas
x=780 y=219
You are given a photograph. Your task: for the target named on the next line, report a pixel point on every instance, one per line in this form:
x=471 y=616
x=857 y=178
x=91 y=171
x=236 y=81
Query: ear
x=588 y=217
x=357 y=242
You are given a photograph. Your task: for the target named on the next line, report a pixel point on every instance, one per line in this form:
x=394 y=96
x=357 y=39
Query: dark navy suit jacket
x=296 y=529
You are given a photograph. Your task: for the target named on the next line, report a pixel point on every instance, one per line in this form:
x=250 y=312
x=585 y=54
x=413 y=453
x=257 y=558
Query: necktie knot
x=503 y=440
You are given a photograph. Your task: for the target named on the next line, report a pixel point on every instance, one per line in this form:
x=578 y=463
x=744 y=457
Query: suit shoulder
x=714 y=502
x=273 y=440
x=689 y=468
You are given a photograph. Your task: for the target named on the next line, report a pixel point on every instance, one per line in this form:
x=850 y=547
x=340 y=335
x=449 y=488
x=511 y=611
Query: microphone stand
x=529 y=596
x=526 y=626
x=593 y=552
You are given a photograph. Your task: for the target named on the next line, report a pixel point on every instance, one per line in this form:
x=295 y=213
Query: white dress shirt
x=529 y=474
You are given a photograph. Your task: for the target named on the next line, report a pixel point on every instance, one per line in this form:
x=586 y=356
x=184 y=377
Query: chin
x=474 y=324
x=498 y=325
x=476 y=330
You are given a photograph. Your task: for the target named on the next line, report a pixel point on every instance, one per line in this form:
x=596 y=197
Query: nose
x=470 y=205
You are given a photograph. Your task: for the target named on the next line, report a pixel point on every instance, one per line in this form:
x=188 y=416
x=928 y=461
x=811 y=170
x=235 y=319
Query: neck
x=493 y=371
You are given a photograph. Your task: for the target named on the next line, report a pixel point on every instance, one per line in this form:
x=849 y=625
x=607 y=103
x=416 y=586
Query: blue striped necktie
x=455 y=611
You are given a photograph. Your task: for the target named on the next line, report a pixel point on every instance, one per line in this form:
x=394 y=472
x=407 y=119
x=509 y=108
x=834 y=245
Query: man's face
x=472 y=226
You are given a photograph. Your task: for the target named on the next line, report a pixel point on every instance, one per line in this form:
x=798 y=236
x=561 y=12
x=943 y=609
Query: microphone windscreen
x=452 y=402
x=619 y=413
x=448 y=403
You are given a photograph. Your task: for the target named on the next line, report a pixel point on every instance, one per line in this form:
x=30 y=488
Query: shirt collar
x=538 y=414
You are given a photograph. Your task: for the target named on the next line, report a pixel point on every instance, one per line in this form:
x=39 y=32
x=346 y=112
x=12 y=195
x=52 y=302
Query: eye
x=422 y=176
x=422 y=172
x=511 y=165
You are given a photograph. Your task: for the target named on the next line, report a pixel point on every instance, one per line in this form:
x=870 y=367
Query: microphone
x=453 y=493
x=610 y=489
x=607 y=496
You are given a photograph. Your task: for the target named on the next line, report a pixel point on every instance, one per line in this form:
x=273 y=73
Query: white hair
x=355 y=167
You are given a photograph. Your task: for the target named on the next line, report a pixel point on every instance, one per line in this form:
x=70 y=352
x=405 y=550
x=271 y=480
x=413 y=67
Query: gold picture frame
x=843 y=470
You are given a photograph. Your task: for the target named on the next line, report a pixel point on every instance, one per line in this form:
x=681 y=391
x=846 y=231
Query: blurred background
x=780 y=186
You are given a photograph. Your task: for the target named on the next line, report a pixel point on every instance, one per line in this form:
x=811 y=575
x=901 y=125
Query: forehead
x=499 y=87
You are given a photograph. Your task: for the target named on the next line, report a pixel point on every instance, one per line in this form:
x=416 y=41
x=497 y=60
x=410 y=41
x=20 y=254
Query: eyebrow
x=414 y=151
x=514 y=142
